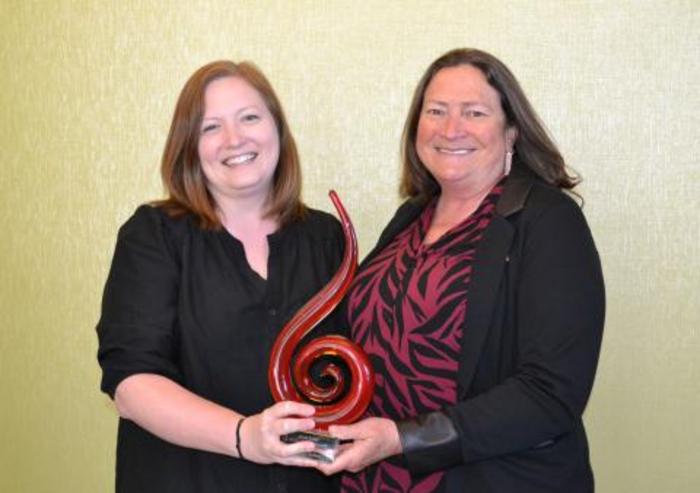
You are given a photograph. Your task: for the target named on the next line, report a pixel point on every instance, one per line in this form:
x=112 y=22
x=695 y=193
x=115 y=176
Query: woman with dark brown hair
x=200 y=285
x=482 y=305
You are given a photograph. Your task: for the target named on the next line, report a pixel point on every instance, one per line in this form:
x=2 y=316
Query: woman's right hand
x=260 y=435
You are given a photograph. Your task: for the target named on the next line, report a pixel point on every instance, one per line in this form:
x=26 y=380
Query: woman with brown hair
x=482 y=304
x=200 y=285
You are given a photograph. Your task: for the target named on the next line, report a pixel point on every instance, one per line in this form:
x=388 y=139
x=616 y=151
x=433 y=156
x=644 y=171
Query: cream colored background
x=86 y=93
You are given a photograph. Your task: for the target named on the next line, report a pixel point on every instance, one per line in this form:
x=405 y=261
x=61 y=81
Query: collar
x=515 y=191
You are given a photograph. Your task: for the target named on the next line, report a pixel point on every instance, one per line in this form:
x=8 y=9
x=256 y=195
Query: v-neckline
x=236 y=253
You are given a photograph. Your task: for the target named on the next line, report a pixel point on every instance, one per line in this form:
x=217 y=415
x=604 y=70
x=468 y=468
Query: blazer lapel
x=487 y=274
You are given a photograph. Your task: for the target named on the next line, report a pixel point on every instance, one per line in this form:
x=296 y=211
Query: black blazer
x=529 y=351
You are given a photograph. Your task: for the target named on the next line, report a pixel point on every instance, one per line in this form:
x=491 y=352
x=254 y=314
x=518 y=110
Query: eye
x=250 y=118
x=474 y=114
x=209 y=128
x=434 y=111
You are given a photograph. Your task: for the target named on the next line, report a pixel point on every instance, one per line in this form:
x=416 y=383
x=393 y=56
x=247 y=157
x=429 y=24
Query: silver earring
x=508 y=162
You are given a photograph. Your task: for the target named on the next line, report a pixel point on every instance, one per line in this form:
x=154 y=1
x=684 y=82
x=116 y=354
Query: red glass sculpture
x=342 y=402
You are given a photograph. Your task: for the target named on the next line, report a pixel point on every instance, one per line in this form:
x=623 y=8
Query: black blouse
x=183 y=302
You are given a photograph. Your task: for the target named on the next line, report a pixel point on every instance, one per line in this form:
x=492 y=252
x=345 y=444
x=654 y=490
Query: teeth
x=241 y=159
x=453 y=151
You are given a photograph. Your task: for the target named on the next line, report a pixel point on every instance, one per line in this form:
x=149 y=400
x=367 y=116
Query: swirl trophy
x=336 y=400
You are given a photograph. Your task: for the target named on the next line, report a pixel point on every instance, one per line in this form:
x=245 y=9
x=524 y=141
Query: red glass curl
x=293 y=382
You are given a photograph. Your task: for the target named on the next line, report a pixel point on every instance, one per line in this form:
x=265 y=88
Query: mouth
x=240 y=159
x=455 y=151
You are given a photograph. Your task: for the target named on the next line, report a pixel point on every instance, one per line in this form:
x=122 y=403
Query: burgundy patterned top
x=407 y=309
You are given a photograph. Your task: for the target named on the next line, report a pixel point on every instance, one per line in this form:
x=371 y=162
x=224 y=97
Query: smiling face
x=239 y=144
x=462 y=137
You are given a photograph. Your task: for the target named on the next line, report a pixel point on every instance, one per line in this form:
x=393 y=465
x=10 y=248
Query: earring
x=508 y=162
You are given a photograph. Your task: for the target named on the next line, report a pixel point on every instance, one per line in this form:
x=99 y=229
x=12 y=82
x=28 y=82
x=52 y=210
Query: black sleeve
x=136 y=327
x=559 y=317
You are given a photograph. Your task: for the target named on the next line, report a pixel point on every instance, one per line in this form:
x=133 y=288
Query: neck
x=243 y=216
x=245 y=219
x=458 y=203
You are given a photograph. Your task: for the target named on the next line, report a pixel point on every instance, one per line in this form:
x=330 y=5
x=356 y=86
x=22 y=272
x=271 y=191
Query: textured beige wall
x=86 y=93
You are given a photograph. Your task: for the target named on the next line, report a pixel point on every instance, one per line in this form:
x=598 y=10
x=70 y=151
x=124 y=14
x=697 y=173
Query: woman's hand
x=260 y=435
x=374 y=439
x=175 y=414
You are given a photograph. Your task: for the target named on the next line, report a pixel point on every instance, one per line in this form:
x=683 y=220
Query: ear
x=511 y=137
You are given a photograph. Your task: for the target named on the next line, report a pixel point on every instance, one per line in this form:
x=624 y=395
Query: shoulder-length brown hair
x=181 y=169
x=533 y=147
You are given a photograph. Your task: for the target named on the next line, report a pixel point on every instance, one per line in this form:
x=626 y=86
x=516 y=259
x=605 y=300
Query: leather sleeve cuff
x=430 y=442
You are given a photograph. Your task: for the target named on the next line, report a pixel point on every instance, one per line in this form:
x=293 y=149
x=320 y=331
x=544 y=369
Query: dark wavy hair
x=533 y=148
x=181 y=169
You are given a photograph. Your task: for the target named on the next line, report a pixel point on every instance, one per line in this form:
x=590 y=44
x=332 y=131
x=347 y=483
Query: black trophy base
x=326 y=445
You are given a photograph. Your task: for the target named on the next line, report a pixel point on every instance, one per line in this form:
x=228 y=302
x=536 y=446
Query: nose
x=454 y=126
x=232 y=135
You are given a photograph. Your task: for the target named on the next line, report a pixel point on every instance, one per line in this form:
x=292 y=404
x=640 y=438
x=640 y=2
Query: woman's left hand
x=374 y=439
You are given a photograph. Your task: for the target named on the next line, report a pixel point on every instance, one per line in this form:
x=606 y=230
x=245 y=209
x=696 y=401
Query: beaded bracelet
x=238 y=438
